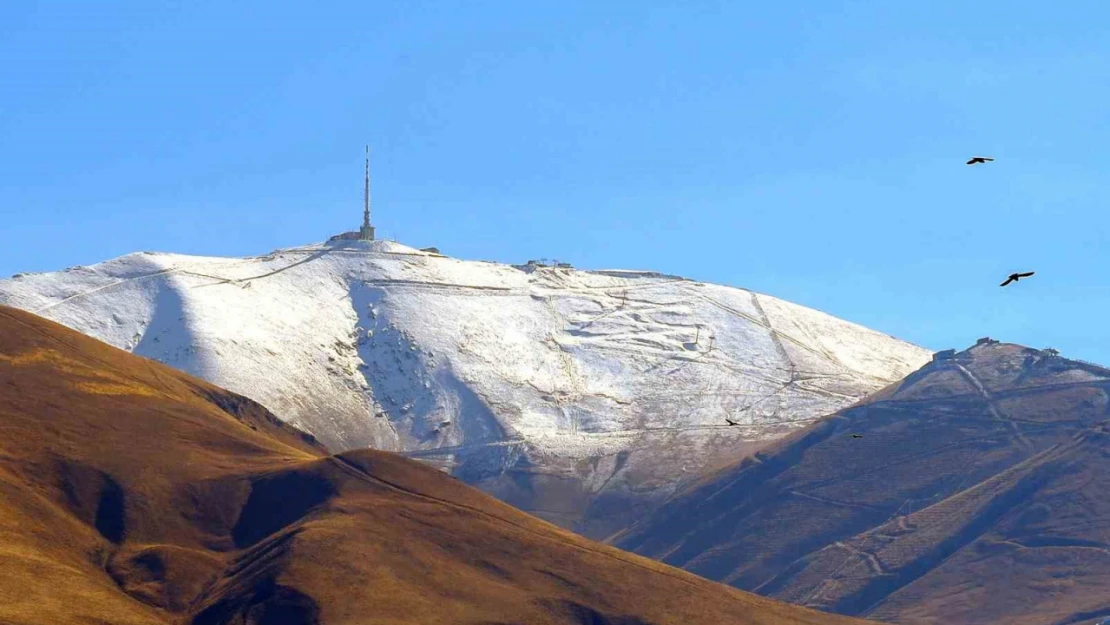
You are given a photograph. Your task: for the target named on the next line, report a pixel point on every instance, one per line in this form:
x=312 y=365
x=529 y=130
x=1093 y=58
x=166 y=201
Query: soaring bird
x=730 y=421
x=857 y=436
x=979 y=159
x=1014 y=277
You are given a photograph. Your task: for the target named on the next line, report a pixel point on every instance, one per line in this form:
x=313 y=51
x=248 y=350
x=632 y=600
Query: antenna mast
x=366 y=193
x=367 y=231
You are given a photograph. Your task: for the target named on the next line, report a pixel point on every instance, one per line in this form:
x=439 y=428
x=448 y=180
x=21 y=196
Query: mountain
x=131 y=493
x=976 y=493
x=580 y=396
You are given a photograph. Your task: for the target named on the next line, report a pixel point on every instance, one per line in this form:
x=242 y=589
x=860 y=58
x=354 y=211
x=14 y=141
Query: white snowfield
x=479 y=366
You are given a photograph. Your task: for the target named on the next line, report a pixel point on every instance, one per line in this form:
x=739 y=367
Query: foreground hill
x=977 y=494
x=131 y=493
x=581 y=396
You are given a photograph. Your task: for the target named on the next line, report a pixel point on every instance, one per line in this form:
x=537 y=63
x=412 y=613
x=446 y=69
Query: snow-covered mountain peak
x=524 y=379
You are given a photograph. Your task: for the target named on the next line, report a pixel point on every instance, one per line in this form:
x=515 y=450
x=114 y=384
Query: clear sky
x=809 y=150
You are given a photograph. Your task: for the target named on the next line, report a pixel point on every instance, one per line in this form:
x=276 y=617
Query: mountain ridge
x=984 y=461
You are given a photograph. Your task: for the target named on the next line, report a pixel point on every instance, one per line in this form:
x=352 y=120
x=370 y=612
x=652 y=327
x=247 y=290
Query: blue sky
x=809 y=150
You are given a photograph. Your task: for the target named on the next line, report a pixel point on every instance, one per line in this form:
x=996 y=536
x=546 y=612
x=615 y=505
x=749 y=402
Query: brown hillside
x=977 y=494
x=133 y=494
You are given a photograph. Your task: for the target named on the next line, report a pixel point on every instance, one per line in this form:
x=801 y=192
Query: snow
x=378 y=344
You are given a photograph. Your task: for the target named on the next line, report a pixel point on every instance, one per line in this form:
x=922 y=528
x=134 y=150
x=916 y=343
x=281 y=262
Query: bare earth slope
x=977 y=494
x=580 y=396
x=131 y=493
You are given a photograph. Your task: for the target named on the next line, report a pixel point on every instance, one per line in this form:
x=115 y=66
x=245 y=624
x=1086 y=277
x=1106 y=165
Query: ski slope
x=601 y=380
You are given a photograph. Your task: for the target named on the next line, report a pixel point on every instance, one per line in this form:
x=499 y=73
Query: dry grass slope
x=977 y=494
x=131 y=493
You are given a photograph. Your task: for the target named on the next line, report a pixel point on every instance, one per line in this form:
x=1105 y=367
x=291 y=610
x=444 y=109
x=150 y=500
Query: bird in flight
x=1014 y=277
x=730 y=421
x=857 y=436
x=979 y=159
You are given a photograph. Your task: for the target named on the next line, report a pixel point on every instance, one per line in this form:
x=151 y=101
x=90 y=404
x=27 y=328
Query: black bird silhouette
x=1014 y=277
x=857 y=436
x=979 y=159
x=730 y=421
